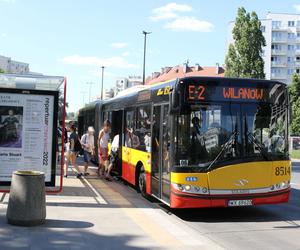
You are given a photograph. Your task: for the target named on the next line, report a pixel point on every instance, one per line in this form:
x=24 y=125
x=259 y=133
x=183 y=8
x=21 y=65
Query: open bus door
x=117 y=129
x=160 y=170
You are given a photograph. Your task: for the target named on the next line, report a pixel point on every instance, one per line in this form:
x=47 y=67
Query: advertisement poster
x=27 y=133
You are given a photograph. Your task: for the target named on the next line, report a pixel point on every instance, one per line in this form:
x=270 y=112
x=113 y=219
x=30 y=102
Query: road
x=261 y=227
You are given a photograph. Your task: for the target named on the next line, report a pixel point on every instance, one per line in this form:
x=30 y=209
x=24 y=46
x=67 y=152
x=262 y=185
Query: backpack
x=78 y=147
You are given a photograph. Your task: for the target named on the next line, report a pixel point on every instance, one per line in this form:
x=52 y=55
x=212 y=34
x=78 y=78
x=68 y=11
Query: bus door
x=160 y=168
x=116 y=137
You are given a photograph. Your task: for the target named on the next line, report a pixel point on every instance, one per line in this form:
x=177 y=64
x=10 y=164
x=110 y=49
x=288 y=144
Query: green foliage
x=61 y=105
x=295 y=154
x=244 y=56
x=294 y=91
x=1 y=71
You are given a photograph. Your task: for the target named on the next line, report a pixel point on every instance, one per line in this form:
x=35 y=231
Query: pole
x=83 y=97
x=102 y=82
x=144 y=63
x=90 y=89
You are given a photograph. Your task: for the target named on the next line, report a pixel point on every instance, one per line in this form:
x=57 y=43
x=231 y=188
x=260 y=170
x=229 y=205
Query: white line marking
x=98 y=197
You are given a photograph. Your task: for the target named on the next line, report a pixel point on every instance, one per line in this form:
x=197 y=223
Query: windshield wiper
x=224 y=147
x=259 y=146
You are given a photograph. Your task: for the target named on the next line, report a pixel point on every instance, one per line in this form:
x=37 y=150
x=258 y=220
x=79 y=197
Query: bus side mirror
x=174 y=101
x=290 y=114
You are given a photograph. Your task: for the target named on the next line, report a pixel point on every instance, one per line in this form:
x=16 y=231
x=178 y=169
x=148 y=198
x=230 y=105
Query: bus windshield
x=219 y=133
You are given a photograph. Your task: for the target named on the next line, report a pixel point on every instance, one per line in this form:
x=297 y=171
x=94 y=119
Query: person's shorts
x=87 y=156
x=72 y=152
x=103 y=155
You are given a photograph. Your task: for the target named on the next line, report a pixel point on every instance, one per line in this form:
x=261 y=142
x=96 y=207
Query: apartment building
x=11 y=66
x=282 y=52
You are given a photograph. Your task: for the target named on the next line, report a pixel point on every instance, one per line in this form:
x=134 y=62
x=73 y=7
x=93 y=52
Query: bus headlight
x=180 y=187
x=280 y=186
x=190 y=188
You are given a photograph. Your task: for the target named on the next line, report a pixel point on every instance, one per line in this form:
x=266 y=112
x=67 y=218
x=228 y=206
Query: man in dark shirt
x=9 y=124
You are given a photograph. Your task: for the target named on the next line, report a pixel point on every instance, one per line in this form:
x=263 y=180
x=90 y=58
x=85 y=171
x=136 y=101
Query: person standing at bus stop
x=88 y=144
x=74 y=150
x=103 y=146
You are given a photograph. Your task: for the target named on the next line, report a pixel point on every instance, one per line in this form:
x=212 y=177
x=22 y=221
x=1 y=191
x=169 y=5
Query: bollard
x=27 y=201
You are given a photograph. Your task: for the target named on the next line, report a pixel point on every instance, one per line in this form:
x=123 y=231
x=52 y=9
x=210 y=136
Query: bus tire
x=141 y=182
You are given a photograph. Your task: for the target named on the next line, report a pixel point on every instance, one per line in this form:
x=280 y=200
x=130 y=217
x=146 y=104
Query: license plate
x=239 y=203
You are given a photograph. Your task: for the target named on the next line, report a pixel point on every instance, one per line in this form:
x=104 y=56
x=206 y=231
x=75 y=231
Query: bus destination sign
x=224 y=93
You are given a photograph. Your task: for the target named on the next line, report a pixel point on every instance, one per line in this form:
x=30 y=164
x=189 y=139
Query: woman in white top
x=87 y=142
x=103 y=139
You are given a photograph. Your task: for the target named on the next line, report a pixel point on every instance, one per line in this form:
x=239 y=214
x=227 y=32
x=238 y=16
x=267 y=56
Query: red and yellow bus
x=201 y=141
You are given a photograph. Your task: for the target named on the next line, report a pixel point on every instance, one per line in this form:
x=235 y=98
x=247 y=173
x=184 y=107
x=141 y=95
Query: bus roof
x=127 y=93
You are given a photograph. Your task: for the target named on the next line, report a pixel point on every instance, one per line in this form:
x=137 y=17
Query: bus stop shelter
x=29 y=108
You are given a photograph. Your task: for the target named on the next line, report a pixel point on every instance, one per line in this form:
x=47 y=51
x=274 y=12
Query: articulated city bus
x=201 y=141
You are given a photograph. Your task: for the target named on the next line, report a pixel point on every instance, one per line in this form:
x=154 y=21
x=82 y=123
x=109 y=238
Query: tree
x=1 y=71
x=294 y=91
x=61 y=105
x=244 y=56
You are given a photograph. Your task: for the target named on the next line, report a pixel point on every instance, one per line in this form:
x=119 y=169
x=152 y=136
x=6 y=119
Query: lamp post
x=102 y=75
x=144 y=63
x=90 y=88
x=83 y=95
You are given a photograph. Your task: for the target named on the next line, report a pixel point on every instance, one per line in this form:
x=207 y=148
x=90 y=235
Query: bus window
x=131 y=139
x=143 y=126
x=107 y=116
x=201 y=134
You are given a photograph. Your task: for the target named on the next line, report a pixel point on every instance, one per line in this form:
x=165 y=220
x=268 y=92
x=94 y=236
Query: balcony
x=297 y=64
x=278 y=64
x=297 y=52
x=279 y=39
x=297 y=40
x=278 y=76
x=278 y=52
x=279 y=28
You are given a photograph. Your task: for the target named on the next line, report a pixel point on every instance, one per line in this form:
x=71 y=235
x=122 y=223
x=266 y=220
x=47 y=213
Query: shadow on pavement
x=75 y=191
x=61 y=234
x=296 y=167
x=66 y=224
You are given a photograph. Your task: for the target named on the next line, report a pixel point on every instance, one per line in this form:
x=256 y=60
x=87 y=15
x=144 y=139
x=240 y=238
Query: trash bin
x=27 y=201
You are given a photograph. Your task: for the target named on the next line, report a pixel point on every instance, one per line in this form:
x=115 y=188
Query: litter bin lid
x=28 y=172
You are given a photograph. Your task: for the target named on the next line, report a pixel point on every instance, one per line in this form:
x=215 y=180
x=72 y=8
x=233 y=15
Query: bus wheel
x=142 y=182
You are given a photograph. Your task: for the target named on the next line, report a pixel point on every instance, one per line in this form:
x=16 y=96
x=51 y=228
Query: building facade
x=169 y=73
x=282 y=52
x=126 y=82
x=14 y=67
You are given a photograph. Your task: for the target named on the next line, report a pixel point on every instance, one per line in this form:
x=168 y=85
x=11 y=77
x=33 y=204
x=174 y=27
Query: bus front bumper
x=183 y=200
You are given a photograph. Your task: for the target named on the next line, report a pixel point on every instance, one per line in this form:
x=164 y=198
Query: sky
x=74 y=38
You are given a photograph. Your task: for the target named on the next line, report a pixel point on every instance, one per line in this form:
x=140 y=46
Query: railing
x=279 y=39
x=278 y=76
x=278 y=52
x=278 y=64
x=281 y=28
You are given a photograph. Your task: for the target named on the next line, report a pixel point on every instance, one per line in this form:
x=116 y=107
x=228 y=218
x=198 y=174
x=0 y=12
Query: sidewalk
x=96 y=214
